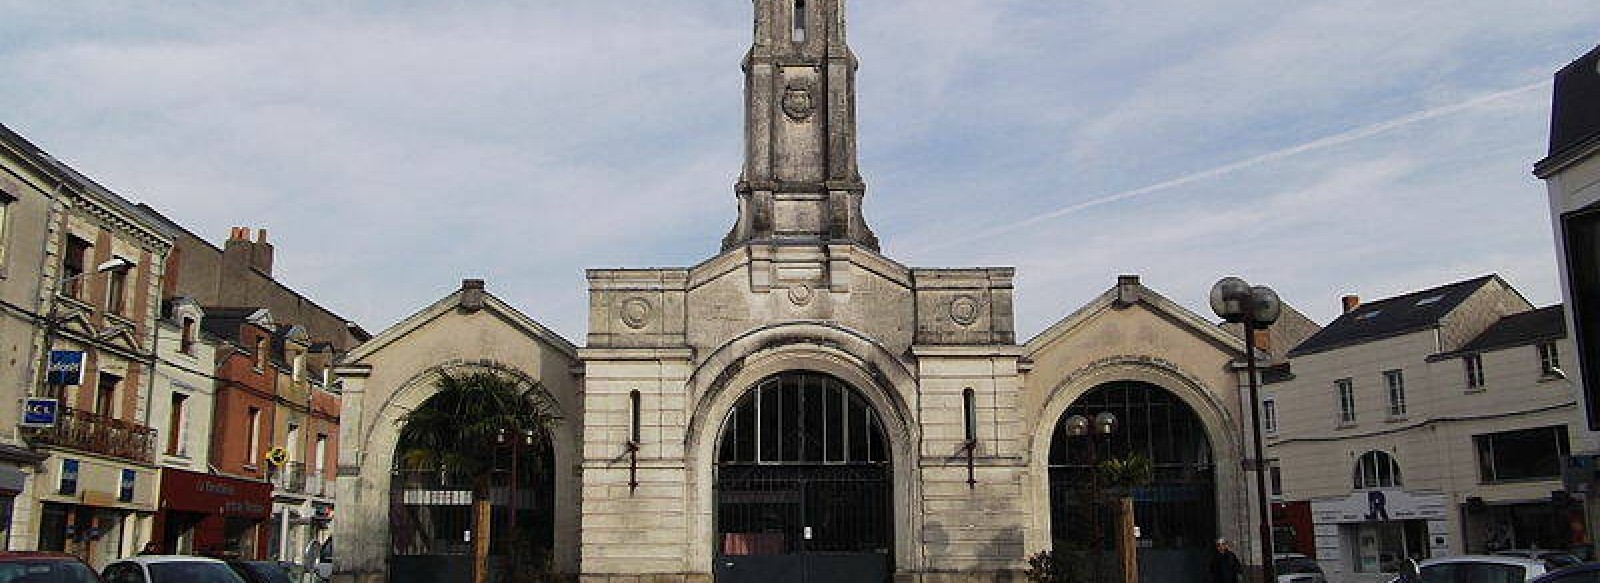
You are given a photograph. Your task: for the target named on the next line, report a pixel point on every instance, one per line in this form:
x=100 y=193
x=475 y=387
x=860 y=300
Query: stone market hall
x=800 y=407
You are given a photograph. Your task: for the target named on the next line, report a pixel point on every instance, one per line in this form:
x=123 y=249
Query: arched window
x=1376 y=469
x=803 y=418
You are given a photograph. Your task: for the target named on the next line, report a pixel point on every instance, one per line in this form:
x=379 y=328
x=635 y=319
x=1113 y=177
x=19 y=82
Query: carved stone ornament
x=797 y=102
x=800 y=294
x=636 y=312
x=964 y=310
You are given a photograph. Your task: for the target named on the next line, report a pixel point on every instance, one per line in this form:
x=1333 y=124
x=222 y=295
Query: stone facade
x=967 y=414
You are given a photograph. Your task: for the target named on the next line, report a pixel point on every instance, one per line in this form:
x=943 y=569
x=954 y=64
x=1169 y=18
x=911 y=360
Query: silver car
x=1478 y=569
x=1297 y=568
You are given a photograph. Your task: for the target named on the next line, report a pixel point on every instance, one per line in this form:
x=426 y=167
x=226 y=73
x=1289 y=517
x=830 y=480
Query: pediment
x=461 y=304
x=1118 y=302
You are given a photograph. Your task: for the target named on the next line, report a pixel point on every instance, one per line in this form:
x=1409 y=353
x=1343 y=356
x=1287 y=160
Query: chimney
x=1127 y=290
x=1351 y=302
x=471 y=295
x=240 y=251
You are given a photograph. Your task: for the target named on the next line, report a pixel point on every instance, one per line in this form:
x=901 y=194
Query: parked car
x=169 y=569
x=260 y=571
x=1552 y=559
x=1297 y=568
x=1587 y=573
x=1478 y=569
x=35 y=567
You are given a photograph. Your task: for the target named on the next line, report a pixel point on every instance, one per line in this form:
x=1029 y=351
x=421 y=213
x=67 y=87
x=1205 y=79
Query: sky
x=394 y=148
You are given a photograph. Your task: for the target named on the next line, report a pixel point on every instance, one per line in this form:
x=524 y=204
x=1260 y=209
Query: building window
x=1269 y=415
x=293 y=438
x=5 y=216
x=253 y=455
x=178 y=426
x=1549 y=359
x=73 y=264
x=1376 y=469
x=1275 y=479
x=1347 y=401
x=69 y=477
x=117 y=291
x=186 y=339
x=799 y=21
x=261 y=353
x=1527 y=454
x=125 y=492
x=105 y=394
x=321 y=453
x=1396 y=382
x=1474 y=364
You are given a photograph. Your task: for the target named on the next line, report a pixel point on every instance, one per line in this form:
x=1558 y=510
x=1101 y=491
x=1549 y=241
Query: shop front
x=210 y=514
x=94 y=508
x=1555 y=523
x=1371 y=531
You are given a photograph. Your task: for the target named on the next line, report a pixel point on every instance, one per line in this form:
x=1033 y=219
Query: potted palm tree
x=1121 y=476
x=454 y=431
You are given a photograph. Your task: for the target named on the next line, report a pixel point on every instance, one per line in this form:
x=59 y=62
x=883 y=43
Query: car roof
x=1556 y=574
x=36 y=556
x=1503 y=560
x=151 y=559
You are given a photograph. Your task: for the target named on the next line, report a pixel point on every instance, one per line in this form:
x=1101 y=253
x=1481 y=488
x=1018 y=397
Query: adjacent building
x=1571 y=172
x=94 y=494
x=1432 y=423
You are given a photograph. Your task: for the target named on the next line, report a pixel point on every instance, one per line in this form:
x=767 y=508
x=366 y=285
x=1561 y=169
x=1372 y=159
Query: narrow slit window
x=799 y=21
x=634 y=432
x=969 y=404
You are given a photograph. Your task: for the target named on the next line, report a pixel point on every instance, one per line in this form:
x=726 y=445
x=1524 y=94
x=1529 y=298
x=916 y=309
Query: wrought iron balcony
x=102 y=434
x=290 y=477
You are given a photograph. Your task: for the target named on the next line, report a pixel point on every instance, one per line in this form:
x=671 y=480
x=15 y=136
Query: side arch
x=1220 y=425
x=882 y=380
x=379 y=446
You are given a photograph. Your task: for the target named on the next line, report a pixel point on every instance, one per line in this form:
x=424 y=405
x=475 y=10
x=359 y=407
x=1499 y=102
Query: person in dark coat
x=1225 y=567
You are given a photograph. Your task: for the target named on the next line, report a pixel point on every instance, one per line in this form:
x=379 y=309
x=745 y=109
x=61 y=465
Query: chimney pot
x=261 y=236
x=1350 y=302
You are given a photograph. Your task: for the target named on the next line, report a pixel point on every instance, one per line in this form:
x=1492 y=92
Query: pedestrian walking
x=1225 y=567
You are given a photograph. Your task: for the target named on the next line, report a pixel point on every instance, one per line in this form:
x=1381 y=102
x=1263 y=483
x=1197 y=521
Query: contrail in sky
x=1344 y=137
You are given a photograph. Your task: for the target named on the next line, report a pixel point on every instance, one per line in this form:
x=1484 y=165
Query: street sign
x=66 y=368
x=40 y=412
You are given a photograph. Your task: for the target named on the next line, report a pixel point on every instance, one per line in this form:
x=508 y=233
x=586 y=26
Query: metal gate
x=803 y=486
x=782 y=524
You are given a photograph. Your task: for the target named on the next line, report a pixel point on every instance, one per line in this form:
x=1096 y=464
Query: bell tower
x=800 y=183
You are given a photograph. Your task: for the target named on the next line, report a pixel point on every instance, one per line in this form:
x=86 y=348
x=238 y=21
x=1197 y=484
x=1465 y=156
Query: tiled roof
x=1391 y=317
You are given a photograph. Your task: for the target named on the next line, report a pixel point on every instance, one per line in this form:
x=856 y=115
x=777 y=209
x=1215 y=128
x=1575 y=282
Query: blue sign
x=126 y=493
x=69 y=476
x=66 y=368
x=40 y=412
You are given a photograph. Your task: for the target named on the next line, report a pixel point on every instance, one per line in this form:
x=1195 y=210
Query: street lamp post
x=1256 y=308
x=1102 y=425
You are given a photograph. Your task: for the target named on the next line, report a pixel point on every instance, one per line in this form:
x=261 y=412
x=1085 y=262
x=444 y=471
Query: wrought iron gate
x=781 y=524
x=804 y=487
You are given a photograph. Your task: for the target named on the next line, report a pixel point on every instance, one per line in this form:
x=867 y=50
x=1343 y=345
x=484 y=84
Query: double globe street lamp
x=1096 y=427
x=1256 y=308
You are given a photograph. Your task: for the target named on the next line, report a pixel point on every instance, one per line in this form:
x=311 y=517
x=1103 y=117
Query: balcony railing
x=79 y=429
x=290 y=477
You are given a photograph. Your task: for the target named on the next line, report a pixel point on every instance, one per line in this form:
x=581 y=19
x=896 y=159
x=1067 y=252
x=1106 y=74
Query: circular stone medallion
x=964 y=310
x=800 y=294
x=635 y=312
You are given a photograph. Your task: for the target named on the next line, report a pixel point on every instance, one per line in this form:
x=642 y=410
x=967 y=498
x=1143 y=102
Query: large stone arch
x=381 y=438
x=885 y=382
x=1220 y=426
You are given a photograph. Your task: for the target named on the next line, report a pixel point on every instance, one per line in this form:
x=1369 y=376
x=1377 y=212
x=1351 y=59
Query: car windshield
x=1473 y=572
x=192 y=572
x=263 y=572
x=1297 y=566
x=45 y=572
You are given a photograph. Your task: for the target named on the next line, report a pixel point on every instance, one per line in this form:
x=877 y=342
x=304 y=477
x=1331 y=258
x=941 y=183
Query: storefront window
x=1527 y=454
x=239 y=537
x=1376 y=469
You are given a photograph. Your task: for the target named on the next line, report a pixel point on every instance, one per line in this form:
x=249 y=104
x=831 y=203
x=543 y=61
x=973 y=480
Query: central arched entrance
x=804 y=486
x=1176 y=513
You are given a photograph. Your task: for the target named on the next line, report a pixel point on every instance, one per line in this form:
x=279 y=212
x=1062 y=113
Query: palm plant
x=454 y=431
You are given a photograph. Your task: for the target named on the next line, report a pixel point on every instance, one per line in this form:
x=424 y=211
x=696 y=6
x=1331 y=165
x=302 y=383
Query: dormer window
x=799 y=21
x=186 y=340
